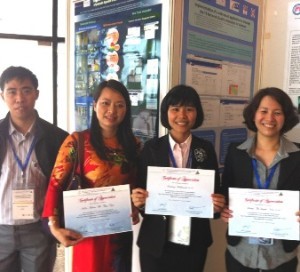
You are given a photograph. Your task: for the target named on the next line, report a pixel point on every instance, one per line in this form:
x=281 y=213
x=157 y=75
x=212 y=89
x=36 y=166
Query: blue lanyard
x=19 y=162
x=269 y=177
x=173 y=162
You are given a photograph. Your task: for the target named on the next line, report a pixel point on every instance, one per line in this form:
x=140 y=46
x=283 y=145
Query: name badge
x=23 y=204
x=180 y=230
x=260 y=241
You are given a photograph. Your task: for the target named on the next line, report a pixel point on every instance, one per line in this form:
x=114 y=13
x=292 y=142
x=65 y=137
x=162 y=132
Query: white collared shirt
x=181 y=151
x=11 y=176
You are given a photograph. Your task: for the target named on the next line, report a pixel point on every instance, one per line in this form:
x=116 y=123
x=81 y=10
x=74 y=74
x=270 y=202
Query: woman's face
x=269 y=117
x=110 y=109
x=181 y=120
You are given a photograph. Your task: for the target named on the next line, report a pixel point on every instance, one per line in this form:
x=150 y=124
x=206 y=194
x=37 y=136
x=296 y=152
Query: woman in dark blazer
x=181 y=111
x=266 y=160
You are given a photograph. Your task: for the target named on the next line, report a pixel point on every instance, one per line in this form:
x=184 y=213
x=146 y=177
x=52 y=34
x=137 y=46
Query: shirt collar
x=188 y=141
x=13 y=130
x=285 y=147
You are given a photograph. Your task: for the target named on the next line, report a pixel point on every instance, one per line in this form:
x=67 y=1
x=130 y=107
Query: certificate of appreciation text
x=98 y=211
x=180 y=192
x=264 y=213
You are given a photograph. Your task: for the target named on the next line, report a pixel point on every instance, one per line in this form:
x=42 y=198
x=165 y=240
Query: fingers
x=135 y=220
x=135 y=216
x=226 y=214
x=218 y=202
x=66 y=237
x=138 y=197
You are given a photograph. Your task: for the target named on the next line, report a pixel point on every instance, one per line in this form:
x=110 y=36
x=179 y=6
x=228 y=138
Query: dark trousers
x=232 y=265
x=175 y=258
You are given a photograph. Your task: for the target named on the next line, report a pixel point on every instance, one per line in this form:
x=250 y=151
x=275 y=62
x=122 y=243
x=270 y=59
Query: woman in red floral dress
x=110 y=154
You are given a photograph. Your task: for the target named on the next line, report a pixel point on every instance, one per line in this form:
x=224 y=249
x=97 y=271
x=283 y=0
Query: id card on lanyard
x=23 y=204
x=23 y=191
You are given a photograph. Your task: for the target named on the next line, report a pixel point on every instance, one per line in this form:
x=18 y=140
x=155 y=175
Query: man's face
x=20 y=96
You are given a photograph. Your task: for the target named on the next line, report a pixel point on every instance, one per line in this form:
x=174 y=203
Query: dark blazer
x=49 y=140
x=238 y=173
x=154 y=228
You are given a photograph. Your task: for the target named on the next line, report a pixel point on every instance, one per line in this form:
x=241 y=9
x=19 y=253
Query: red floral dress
x=109 y=253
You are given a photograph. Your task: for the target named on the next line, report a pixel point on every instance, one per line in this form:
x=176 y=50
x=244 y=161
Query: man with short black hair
x=29 y=147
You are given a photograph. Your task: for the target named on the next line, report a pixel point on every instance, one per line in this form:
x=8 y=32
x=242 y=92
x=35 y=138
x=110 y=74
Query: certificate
x=264 y=213
x=180 y=192
x=98 y=211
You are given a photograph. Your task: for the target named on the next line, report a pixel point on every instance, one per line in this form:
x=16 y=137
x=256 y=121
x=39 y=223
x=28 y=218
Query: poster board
x=121 y=40
x=218 y=59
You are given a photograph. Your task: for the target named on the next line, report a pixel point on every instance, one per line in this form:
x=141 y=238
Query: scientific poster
x=218 y=60
x=119 y=40
x=292 y=77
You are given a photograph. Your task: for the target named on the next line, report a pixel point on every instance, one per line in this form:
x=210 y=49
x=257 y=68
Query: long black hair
x=125 y=135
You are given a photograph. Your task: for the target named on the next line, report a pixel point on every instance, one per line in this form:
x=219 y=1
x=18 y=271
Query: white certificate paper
x=264 y=213
x=98 y=211
x=180 y=192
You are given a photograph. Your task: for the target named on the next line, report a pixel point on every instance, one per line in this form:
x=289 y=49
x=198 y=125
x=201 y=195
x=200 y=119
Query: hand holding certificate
x=264 y=213
x=98 y=211
x=180 y=192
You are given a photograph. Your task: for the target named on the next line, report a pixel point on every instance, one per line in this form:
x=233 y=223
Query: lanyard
x=19 y=162
x=269 y=177
x=173 y=162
